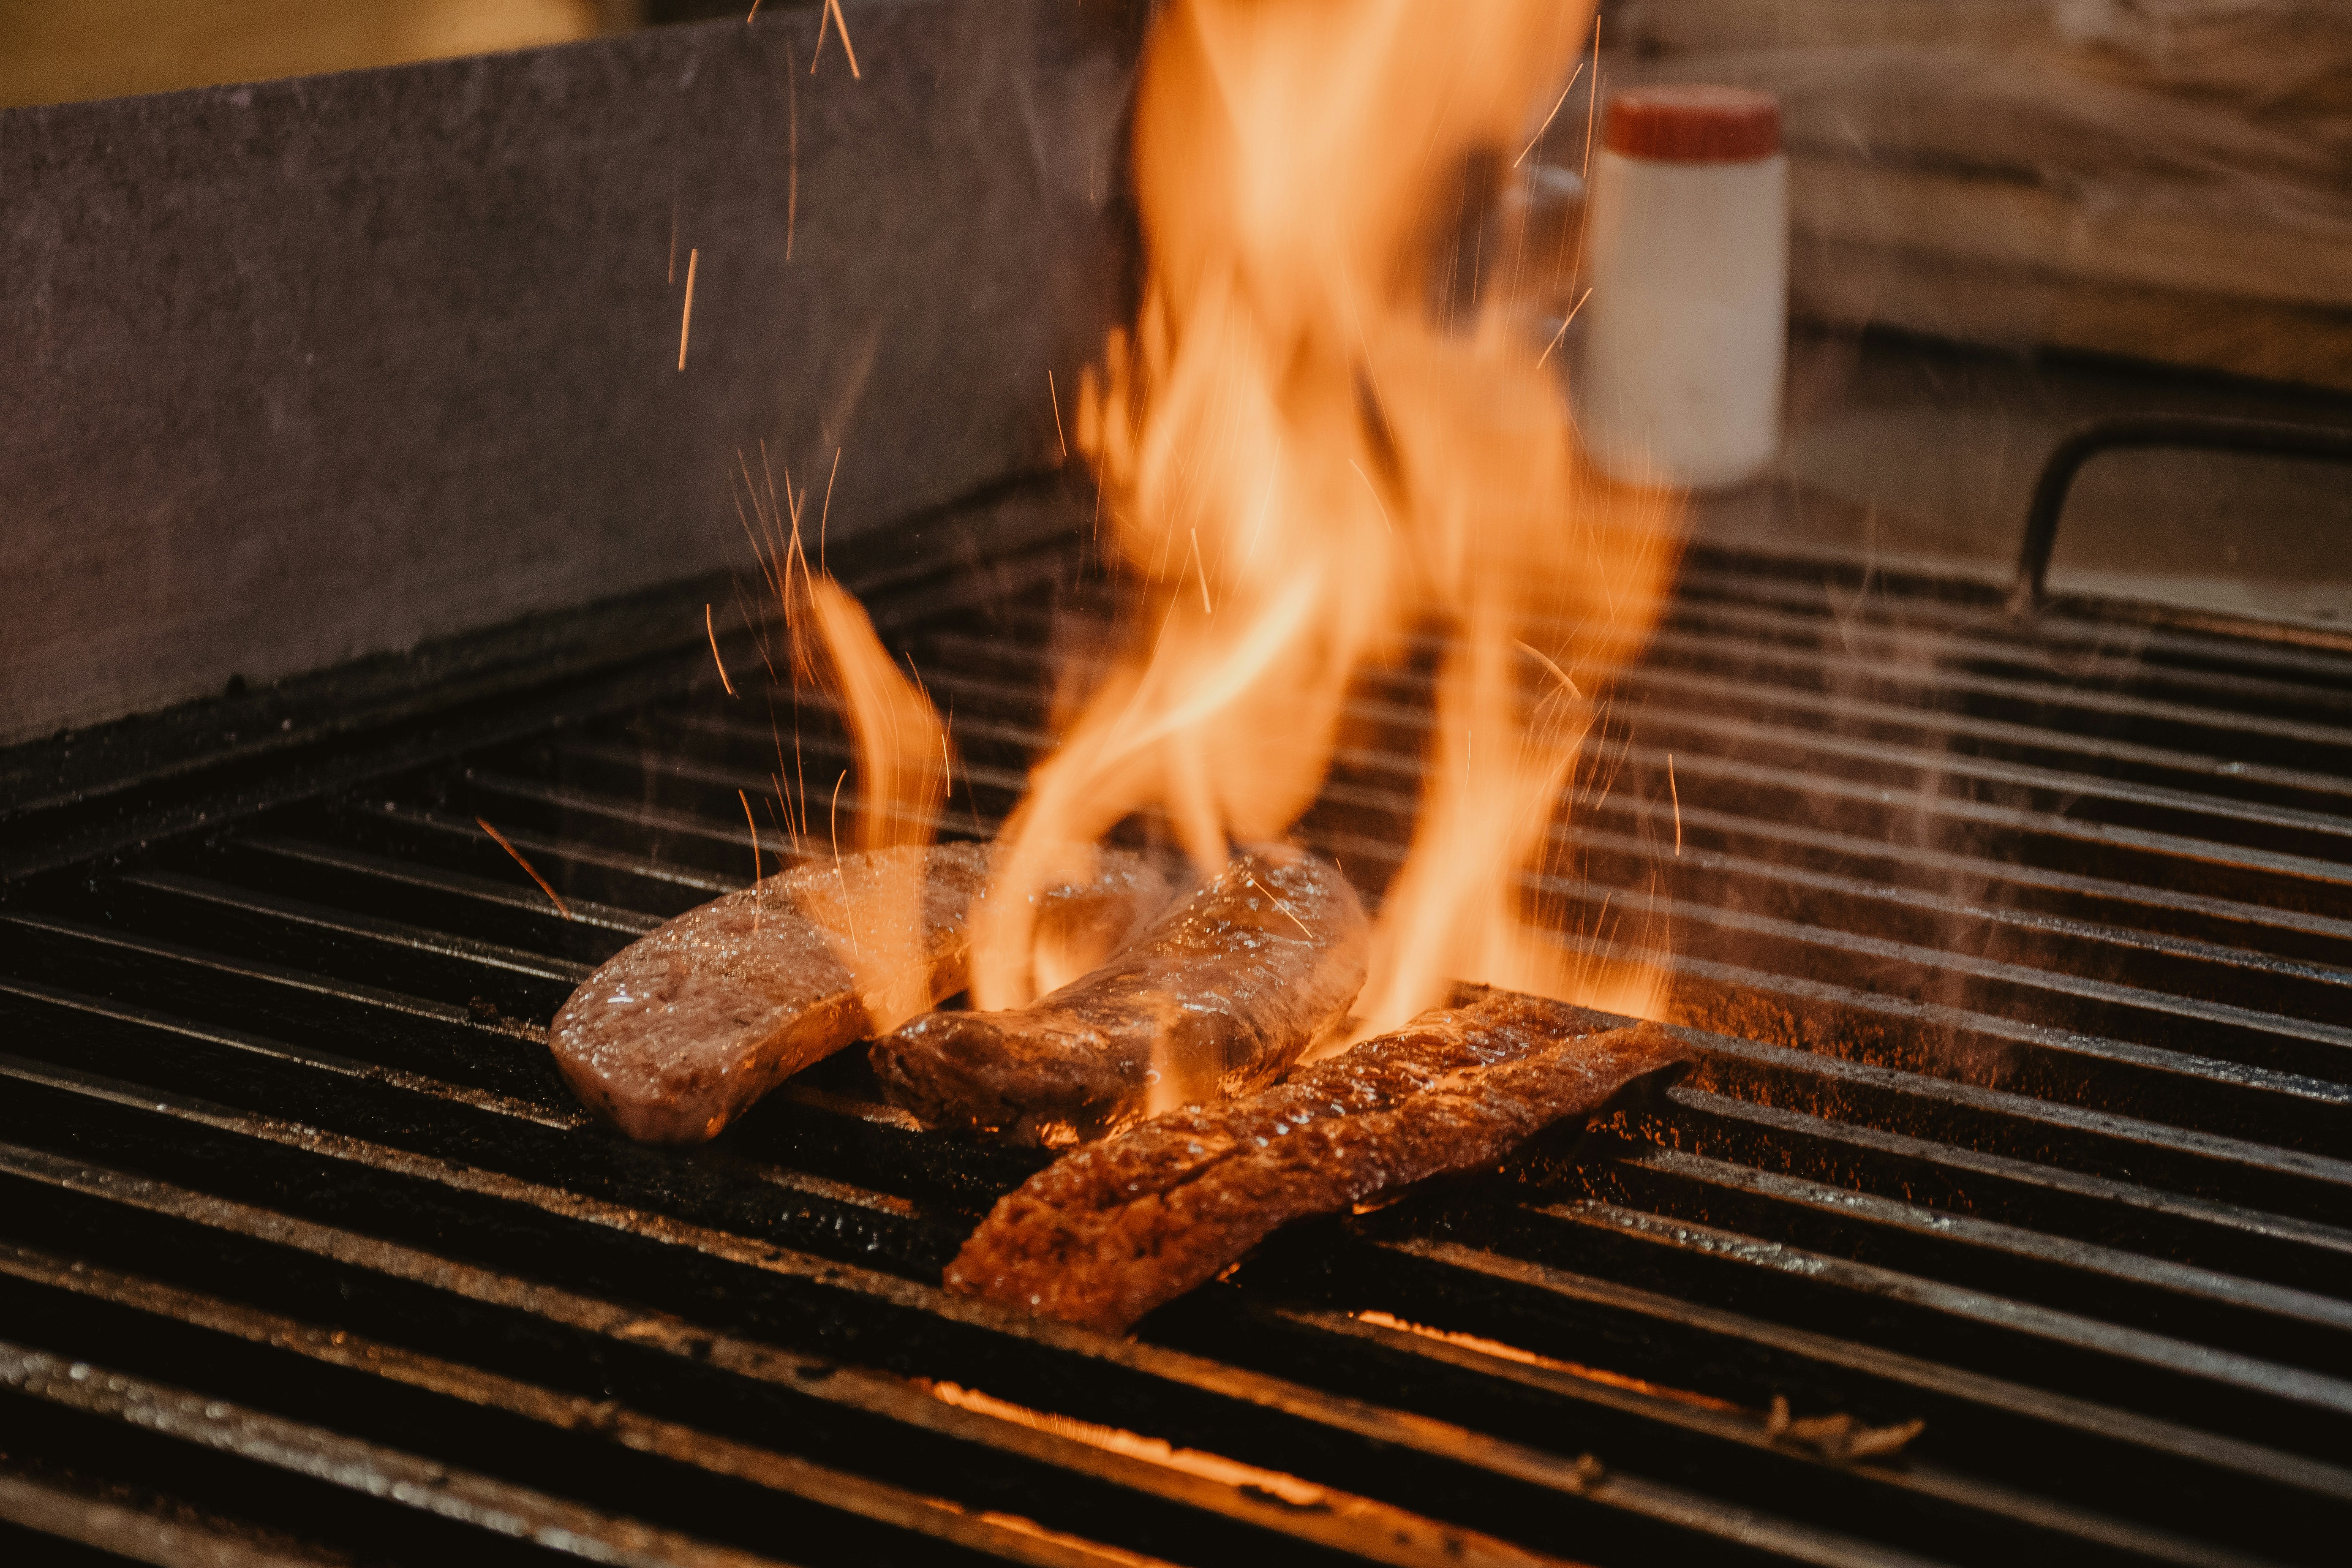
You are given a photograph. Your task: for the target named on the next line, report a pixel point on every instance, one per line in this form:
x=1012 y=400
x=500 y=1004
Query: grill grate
x=2017 y=956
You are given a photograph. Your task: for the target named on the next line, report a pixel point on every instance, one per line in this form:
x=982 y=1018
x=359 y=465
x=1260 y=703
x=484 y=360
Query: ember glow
x=1319 y=442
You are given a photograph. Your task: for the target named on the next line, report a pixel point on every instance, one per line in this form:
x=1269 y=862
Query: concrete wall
x=316 y=368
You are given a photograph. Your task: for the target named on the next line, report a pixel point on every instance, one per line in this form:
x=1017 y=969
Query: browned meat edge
x=686 y=1027
x=1115 y=1228
x=1217 y=996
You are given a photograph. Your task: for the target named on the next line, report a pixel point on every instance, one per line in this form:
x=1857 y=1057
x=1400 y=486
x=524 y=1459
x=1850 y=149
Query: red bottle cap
x=1689 y=123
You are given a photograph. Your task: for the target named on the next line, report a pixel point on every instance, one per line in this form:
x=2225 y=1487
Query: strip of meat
x=1109 y=1231
x=1219 y=994
x=681 y=1032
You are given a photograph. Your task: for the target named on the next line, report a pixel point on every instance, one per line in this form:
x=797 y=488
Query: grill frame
x=417 y=1188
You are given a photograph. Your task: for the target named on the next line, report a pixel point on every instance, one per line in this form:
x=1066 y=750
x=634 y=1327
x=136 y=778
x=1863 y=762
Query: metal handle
x=2186 y=432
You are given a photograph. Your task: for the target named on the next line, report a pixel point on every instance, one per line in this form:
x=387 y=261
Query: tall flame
x=872 y=911
x=1321 y=438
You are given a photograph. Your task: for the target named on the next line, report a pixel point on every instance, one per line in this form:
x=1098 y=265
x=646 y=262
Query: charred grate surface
x=2019 y=960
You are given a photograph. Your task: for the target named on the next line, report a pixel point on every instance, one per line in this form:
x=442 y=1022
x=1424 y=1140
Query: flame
x=873 y=910
x=1321 y=438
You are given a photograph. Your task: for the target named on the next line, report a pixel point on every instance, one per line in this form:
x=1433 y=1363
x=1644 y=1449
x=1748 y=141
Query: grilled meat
x=1219 y=994
x=1111 y=1230
x=681 y=1032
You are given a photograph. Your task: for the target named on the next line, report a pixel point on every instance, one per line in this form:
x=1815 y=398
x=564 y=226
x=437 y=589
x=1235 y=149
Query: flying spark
x=1573 y=309
x=833 y=14
x=1559 y=674
x=1593 y=96
x=686 y=322
x=827 y=515
x=484 y=824
x=1549 y=118
x=754 y=824
x=1278 y=904
x=1584 y=214
x=721 y=663
x=792 y=117
x=1677 y=796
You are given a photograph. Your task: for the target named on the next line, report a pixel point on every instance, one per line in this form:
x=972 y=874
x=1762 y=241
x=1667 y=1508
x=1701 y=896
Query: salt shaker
x=1686 y=328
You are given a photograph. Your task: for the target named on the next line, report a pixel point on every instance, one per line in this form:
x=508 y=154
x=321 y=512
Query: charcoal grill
x=2016 y=951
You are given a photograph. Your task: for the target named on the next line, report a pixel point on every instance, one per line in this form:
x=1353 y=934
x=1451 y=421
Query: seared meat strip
x=678 y=1034
x=1111 y=1230
x=1219 y=994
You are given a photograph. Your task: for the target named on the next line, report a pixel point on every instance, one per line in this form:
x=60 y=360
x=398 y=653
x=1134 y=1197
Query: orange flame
x=873 y=915
x=1307 y=457
x=874 y=911
x=901 y=751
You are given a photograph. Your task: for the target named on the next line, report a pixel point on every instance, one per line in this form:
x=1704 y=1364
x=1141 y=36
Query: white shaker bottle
x=1686 y=328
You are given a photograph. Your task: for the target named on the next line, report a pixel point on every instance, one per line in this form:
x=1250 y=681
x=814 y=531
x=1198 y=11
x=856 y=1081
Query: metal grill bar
x=2247 y=1066
x=796 y=1300
x=2012 y=960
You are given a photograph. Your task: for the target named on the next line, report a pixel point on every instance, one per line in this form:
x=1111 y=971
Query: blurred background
x=56 y=51
x=2009 y=216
